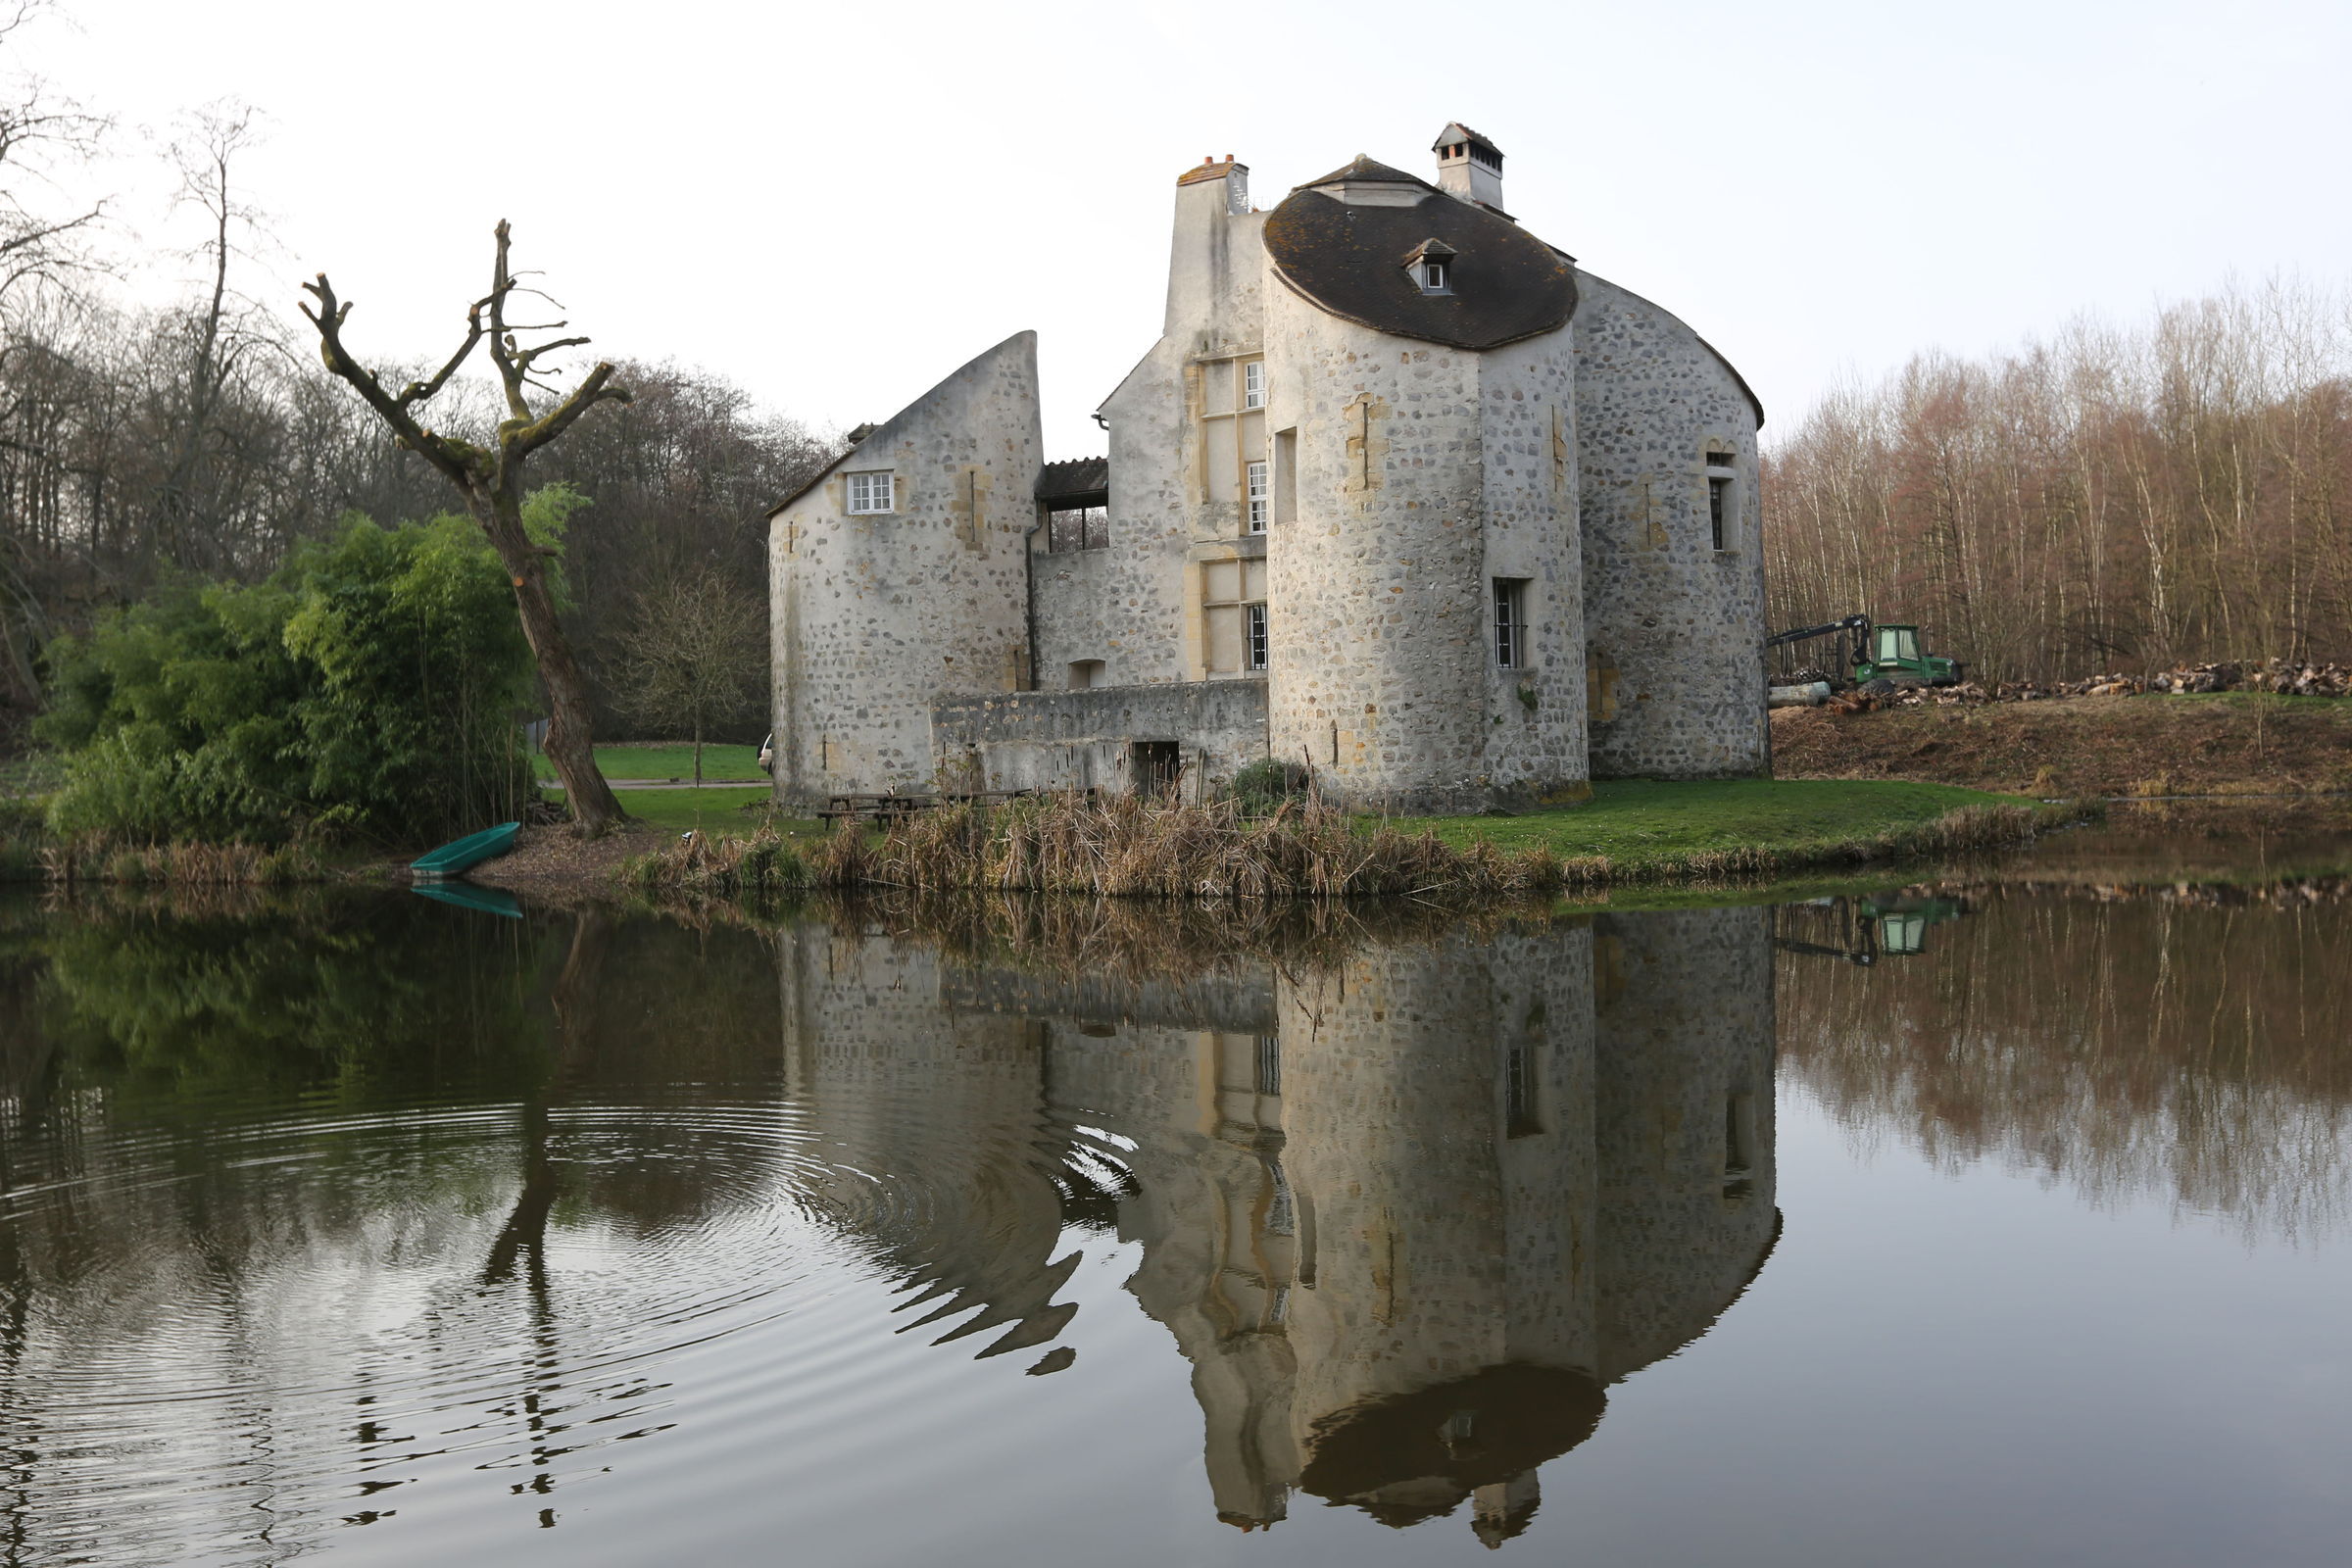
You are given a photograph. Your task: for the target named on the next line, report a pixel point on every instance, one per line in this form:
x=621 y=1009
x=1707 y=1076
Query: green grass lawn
x=667 y=762
x=719 y=813
x=1634 y=821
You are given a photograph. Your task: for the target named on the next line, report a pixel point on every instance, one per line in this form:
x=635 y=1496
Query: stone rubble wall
x=1376 y=606
x=1085 y=739
x=1680 y=624
x=877 y=617
x=1535 y=753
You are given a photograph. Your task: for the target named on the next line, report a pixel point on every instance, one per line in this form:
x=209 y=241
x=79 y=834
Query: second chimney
x=1469 y=165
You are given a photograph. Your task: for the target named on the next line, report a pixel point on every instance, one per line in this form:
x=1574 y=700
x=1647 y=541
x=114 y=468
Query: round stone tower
x=1424 y=583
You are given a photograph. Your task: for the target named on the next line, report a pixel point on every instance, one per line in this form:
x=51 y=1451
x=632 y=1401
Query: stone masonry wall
x=1377 y=610
x=1676 y=627
x=1534 y=737
x=876 y=618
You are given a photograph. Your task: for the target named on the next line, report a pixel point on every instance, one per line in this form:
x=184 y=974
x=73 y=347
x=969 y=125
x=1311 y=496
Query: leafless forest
x=2116 y=499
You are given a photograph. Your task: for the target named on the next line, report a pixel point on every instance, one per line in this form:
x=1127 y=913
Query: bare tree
x=489 y=475
x=698 y=650
x=222 y=331
x=41 y=238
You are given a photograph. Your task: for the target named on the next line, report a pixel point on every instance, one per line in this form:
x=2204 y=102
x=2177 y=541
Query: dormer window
x=1431 y=266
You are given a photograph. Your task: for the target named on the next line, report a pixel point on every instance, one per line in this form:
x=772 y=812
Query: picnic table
x=883 y=807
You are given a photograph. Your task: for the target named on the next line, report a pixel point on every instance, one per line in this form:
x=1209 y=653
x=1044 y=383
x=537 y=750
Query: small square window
x=1071 y=528
x=871 y=492
x=1260 y=498
x=1253 y=384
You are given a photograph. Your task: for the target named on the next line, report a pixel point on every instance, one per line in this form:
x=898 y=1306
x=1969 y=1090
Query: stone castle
x=1400 y=493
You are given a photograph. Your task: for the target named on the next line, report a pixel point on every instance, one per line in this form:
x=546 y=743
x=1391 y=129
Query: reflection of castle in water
x=1407 y=1216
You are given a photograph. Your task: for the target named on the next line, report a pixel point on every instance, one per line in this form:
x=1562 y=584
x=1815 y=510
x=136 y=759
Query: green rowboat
x=456 y=860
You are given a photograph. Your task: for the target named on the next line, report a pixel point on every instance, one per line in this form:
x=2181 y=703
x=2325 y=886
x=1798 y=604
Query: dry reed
x=1123 y=847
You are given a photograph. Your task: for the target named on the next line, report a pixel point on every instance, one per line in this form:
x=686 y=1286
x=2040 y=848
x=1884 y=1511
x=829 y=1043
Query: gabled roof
x=1457 y=133
x=1369 y=170
x=888 y=428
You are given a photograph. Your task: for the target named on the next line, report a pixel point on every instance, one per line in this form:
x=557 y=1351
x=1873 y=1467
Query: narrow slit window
x=1521 y=1117
x=1253 y=384
x=1261 y=498
x=1719 y=507
x=871 y=492
x=1510 y=622
x=1738 y=1173
x=1257 y=637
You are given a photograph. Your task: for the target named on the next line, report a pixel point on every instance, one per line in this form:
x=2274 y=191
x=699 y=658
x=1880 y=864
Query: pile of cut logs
x=2290 y=677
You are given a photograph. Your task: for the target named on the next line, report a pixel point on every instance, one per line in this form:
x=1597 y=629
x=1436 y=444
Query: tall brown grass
x=176 y=864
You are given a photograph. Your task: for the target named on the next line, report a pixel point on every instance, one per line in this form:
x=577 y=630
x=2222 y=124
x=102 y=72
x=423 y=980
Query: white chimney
x=1469 y=165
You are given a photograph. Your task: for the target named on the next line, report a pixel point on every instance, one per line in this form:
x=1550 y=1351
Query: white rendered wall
x=875 y=618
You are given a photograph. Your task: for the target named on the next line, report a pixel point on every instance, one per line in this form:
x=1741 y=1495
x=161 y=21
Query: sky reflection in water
x=395 y=1231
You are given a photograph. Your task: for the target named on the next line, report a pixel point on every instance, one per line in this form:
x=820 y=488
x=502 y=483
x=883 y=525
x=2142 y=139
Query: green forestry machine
x=1879 y=658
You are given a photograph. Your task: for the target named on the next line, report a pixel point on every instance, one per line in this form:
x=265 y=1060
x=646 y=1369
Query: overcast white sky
x=835 y=205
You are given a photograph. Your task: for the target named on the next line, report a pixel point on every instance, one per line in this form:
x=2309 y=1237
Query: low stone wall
x=1097 y=739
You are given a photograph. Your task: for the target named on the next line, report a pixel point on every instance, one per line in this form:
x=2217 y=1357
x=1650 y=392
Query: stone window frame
x=858 y=492
x=1245 y=570
x=1219 y=390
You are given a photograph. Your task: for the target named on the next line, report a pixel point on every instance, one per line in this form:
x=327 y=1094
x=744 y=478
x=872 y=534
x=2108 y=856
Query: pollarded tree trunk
x=491 y=480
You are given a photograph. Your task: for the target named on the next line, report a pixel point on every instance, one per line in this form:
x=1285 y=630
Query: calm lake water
x=2004 y=1225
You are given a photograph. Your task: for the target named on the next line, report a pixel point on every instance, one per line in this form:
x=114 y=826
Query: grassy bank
x=1648 y=827
x=2227 y=743
x=707 y=810
x=667 y=760
x=1118 y=847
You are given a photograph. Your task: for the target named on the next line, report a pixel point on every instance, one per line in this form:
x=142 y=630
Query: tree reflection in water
x=2181 y=1041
